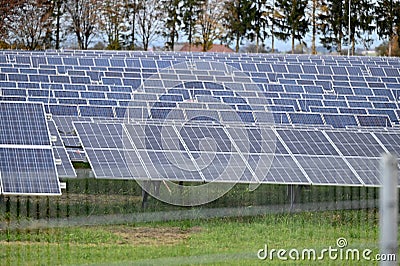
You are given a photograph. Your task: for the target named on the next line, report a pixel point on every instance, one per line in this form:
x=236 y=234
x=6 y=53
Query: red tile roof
x=216 y=48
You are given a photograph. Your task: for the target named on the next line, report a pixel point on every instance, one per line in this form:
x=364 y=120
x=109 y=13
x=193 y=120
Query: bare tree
x=132 y=8
x=7 y=10
x=113 y=22
x=148 y=21
x=191 y=10
x=29 y=24
x=59 y=8
x=84 y=17
x=209 y=24
x=172 y=21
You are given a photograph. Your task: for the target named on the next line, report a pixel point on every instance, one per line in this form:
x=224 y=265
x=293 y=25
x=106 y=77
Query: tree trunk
x=390 y=45
x=173 y=38
x=314 y=28
x=272 y=29
x=292 y=42
x=237 y=43
x=190 y=36
x=257 y=44
x=58 y=25
x=133 y=27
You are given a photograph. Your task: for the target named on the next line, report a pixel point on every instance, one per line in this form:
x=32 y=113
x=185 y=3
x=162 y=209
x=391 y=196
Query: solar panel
x=307 y=142
x=189 y=153
x=195 y=152
x=356 y=144
x=300 y=91
x=28 y=171
x=65 y=169
x=328 y=170
x=390 y=140
x=368 y=169
x=27 y=164
x=23 y=124
x=76 y=155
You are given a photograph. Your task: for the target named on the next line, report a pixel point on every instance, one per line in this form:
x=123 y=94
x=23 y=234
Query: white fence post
x=388 y=208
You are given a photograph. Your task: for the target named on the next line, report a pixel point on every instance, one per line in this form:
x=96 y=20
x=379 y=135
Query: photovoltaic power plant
x=200 y=117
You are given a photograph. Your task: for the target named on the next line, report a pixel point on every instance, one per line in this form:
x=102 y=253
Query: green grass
x=85 y=197
x=232 y=241
x=81 y=165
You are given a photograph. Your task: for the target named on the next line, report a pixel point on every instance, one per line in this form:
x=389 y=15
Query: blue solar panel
x=96 y=111
x=306 y=119
x=23 y=124
x=356 y=144
x=330 y=170
x=307 y=142
x=391 y=141
x=368 y=169
x=27 y=163
x=101 y=84
x=28 y=171
x=340 y=121
x=374 y=121
x=65 y=169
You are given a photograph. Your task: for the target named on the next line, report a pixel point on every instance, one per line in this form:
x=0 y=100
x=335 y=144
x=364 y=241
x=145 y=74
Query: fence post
x=388 y=208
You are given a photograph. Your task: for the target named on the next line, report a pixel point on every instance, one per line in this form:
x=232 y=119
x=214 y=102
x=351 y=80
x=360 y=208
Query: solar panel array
x=307 y=110
x=27 y=164
x=65 y=168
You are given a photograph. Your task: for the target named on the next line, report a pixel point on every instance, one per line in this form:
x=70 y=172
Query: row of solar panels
x=251 y=154
x=32 y=156
x=62 y=64
x=191 y=89
x=25 y=175
x=18 y=56
x=298 y=101
x=246 y=116
x=161 y=84
x=199 y=92
x=133 y=79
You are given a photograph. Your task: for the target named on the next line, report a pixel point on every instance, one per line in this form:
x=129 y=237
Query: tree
x=294 y=23
x=84 y=17
x=273 y=16
x=191 y=11
x=29 y=24
x=317 y=9
x=172 y=21
x=237 y=20
x=360 y=22
x=148 y=21
x=383 y=48
x=7 y=11
x=113 y=22
x=253 y=48
x=58 y=13
x=132 y=8
x=332 y=23
x=209 y=27
x=259 y=22
x=387 y=21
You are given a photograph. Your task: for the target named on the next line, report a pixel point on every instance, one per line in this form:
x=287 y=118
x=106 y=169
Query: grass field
x=212 y=241
x=224 y=241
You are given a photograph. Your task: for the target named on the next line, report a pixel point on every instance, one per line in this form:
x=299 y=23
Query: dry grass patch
x=153 y=236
